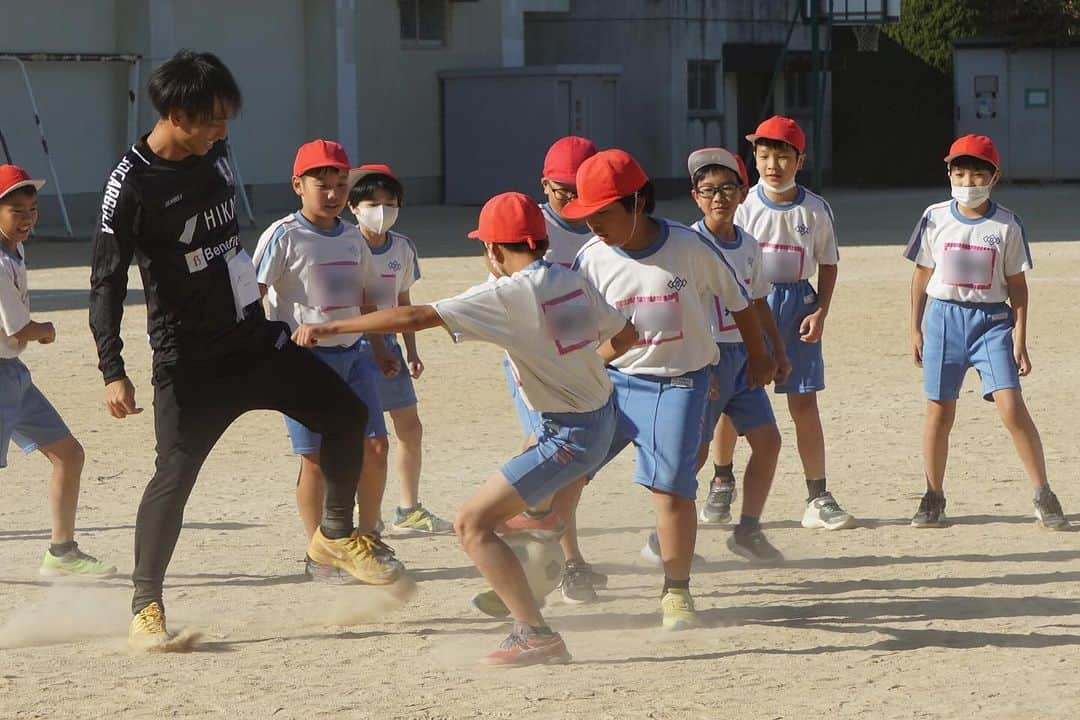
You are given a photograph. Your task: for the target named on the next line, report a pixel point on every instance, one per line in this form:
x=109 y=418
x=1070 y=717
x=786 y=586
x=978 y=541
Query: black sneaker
x=1048 y=512
x=577 y=583
x=755 y=547
x=717 y=507
x=931 y=512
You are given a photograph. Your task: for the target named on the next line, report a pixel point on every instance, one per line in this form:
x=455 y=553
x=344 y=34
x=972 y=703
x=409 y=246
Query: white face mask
x=782 y=189
x=971 y=197
x=377 y=218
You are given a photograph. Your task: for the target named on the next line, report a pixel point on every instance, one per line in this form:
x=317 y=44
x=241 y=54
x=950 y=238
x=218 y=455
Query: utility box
x=498 y=123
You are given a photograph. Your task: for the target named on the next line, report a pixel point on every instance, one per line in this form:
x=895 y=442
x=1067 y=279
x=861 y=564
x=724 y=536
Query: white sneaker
x=824 y=512
x=650 y=552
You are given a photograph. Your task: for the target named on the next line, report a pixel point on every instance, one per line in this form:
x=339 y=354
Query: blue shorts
x=957 y=336
x=26 y=416
x=663 y=418
x=791 y=303
x=358 y=371
x=530 y=420
x=394 y=392
x=747 y=408
x=537 y=473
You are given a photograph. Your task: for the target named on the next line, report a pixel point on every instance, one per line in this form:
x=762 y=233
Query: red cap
x=373 y=169
x=717 y=156
x=319 y=153
x=13 y=177
x=565 y=156
x=977 y=146
x=780 y=128
x=601 y=180
x=511 y=218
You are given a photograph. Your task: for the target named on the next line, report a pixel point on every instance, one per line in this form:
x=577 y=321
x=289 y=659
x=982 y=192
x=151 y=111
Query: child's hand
x=1023 y=362
x=120 y=399
x=50 y=333
x=783 y=367
x=388 y=365
x=916 y=348
x=813 y=325
x=760 y=370
x=416 y=366
x=714 y=387
x=305 y=336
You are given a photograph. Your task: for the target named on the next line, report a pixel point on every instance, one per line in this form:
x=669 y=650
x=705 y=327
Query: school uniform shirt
x=795 y=237
x=312 y=275
x=970 y=257
x=14 y=300
x=744 y=255
x=550 y=321
x=663 y=290
x=394 y=269
x=564 y=240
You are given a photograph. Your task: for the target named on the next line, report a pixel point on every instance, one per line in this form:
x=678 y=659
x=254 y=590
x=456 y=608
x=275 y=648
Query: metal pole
x=779 y=66
x=815 y=73
x=7 y=153
x=133 y=103
x=240 y=184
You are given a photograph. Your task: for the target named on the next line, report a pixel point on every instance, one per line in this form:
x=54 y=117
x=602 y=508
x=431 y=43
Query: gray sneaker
x=755 y=547
x=824 y=512
x=931 y=513
x=1048 y=512
x=717 y=507
x=577 y=585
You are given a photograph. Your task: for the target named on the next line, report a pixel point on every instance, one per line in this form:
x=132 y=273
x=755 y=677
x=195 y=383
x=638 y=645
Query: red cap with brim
x=780 y=128
x=976 y=146
x=357 y=174
x=565 y=157
x=13 y=177
x=511 y=218
x=320 y=153
x=601 y=180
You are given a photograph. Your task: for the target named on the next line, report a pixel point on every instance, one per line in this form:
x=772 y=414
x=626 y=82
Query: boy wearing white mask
x=375 y=197
x=970 y=256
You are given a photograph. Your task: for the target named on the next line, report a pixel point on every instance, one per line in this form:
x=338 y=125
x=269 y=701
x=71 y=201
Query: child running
x=970 y=256
x=558 y=332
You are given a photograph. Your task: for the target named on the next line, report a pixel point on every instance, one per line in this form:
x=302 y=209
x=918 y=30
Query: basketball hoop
x=866 y=37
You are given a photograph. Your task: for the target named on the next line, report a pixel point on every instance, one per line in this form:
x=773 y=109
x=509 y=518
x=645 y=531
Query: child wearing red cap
x=558 y=332
x=797 y=236
x=970 y=256
x=27 y=418
x=310 y=267
x=661 y=274
x=375 y=198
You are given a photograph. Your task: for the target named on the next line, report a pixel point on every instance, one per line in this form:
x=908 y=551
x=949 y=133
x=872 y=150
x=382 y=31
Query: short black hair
x=320 y=172
x=366 y=187
x=646 y=193
x=970 y=162
x=540 y=247
x=703 y=172
x=28 y=190
x=191 y=83
x=775 y=145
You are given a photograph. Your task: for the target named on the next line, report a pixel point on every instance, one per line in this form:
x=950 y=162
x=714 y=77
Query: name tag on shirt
x=782 y=263
x=658 y=318
x=245 y=286
x=969 y=266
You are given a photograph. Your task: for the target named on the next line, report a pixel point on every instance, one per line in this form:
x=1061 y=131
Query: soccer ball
x=541 y=560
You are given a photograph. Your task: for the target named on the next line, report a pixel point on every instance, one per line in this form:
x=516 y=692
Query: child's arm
x=1018 y=299
x=410 y=318
x=919 y=280
x=813 y=325
x=618 y=344
x=412 y=358
x=43 y=333
x=768 y=326
x=760 y=366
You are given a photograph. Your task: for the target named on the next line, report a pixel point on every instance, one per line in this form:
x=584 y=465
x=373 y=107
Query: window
x=423 y=22
x=701 y=79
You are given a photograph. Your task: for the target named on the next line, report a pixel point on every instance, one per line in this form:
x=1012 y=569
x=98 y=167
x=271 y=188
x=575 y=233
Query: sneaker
x=420 y=521
x=824 y=512
x=755 y=547
x=678 y=608
x=541 y=526
x=717 y=507
x=147 y=630
x=75 y=562
x=326 y=574
x=1048 y=513
x=577 y=583
x=650 y=553
x=366 y=557
x=489 y=603
x=931 y=512
x=524 y=646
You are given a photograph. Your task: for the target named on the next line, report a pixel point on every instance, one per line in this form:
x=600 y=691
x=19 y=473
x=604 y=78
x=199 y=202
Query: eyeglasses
x=562 y=194
x=728 y=190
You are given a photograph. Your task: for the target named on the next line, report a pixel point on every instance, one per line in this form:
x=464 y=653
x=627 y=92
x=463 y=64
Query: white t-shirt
x=312 y=275
x=564 y=240
x=664 y=290
x=394 y=269
x=970 y=258
x=795 y=237
x=14 y=300
x=550 y=321
x=744 y=255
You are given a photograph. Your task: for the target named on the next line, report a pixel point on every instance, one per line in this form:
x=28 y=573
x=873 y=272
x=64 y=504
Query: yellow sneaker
x=147 y=630
x=678 y=609
x=365 y=557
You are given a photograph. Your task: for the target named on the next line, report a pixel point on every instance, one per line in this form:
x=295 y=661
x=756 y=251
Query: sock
x=537 y=514
x=748 y=523
x=540 y=630
x=61 y=549
x=723 y=472
x=1041 y=493
x=403 y=511
x=670 y=584
x=336 y=525
x=815 y=488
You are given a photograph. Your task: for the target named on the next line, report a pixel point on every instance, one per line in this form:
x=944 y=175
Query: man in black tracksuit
x=170 y=205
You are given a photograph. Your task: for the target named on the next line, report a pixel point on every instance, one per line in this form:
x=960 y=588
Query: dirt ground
x=980 y=620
